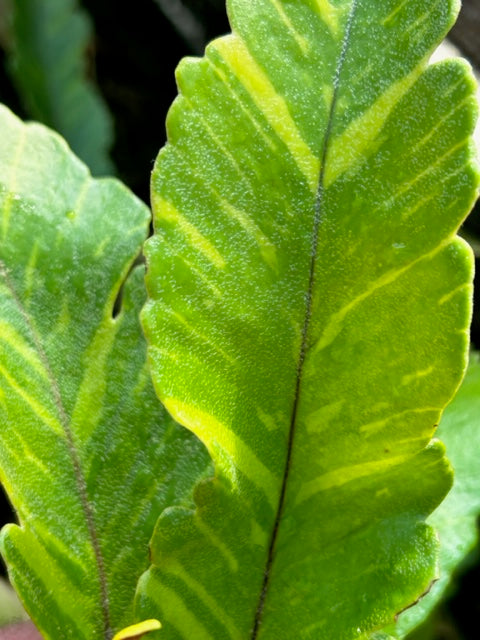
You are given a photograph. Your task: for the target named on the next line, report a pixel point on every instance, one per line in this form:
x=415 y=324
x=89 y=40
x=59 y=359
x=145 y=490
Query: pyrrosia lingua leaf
x=308 y=315
x=87 y=454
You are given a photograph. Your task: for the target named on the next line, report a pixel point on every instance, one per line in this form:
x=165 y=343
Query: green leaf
x=87 y=455
x=308 y=315
x=49 y=65
x=456 y=518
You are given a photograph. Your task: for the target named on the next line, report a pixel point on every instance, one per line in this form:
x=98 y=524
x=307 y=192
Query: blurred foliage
x=47 y=44
x=10 y=608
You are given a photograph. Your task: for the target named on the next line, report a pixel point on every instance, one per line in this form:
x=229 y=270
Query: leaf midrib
x=79 y=476
x=306 y=325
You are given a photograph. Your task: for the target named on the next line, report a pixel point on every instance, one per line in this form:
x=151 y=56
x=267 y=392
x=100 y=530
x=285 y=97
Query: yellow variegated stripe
x=340 y=477
x=297 y=36
x=90 y=399
x=377 y=425
x=171 y=215
x=207 y=600
x=270 y=103
x=266 y=247
x=334 y=324
x=225 y=445
x=218 y=543
x=16 y=341
x=358 y=140
x=397 y=8
x=186 y=621
x=329 y=14
x=196 y=334
x=37 y=407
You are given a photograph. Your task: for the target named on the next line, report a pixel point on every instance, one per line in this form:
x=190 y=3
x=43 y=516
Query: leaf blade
x=87 y=451
x=289 y=281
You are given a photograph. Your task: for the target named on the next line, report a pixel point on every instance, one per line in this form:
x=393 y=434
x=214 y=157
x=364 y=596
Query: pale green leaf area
x=49 y=66
x=87 y=454
x=456 y=518
x=308 y=315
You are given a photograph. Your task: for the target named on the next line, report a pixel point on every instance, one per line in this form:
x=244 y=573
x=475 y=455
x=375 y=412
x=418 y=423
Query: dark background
x=132 y=58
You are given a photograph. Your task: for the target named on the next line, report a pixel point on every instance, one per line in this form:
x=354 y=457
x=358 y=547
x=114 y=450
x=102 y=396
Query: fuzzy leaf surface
x=87 y=455
x=308 y=314
x=50 y=68
x=456 y=518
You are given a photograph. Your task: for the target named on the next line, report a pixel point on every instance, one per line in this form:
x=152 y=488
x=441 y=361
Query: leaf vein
x=308 y=311
x=77 y=469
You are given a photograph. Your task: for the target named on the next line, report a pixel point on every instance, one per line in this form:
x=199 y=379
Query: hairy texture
x=308 y=315
x=88 y=456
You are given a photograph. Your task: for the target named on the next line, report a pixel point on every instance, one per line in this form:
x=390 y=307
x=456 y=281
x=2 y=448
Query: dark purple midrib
x=306 y=325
